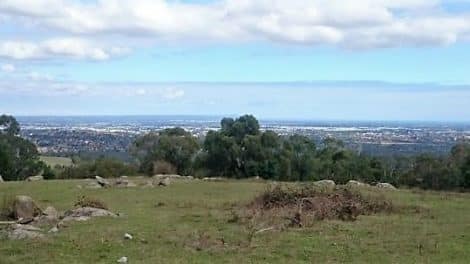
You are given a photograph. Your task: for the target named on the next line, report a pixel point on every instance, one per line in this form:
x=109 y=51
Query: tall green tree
x=174 y=146
x=19 y=157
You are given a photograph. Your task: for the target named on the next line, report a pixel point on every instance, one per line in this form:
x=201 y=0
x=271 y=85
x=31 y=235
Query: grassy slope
x=53 y=161
x=165 y=233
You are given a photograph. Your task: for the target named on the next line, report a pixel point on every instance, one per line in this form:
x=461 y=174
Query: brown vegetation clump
x=163 y=167
x=84 y=201
x=304 y=205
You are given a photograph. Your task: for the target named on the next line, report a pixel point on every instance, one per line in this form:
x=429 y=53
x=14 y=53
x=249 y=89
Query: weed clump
x=301 y=206
x=84 y=201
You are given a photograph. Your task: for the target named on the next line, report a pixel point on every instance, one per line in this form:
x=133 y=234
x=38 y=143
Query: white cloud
x=8 y=68
x=345 y=23
x=35 y=76
x=141 y=91
x=172 y=93
x=75 y=48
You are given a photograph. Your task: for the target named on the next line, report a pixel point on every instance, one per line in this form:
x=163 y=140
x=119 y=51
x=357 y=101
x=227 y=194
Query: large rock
x=19 y=232
x=325 y=184
x=384 y=185
x=102 y=182
x=24 y=207
x=1 y=179
x=35 y=178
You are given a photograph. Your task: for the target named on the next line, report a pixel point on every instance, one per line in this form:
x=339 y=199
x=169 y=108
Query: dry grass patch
x=84 y=201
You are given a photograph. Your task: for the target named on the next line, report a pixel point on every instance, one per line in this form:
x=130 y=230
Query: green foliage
x=9 y=125
x=19 y=157
x=174 y=146
x=104 y=167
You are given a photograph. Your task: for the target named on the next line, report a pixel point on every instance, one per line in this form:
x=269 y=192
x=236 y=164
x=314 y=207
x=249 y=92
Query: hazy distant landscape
x=234 y=131
x=114 y=134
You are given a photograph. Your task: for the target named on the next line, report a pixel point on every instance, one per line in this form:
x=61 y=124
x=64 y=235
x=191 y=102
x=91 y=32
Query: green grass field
x=54 y=161
x=186 y=222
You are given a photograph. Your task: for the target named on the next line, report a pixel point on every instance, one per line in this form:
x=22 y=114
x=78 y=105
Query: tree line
x=241 y=150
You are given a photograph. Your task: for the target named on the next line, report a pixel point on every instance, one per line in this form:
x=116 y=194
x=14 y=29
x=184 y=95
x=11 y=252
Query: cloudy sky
x=299 y=59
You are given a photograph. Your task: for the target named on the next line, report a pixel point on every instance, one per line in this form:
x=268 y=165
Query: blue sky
x=299 y=59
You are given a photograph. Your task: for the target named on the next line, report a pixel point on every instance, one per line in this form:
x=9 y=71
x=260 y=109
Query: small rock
x=103 y=182
x=54 y=230
x=164 y=182
x=24 y=207
x=384 y=185
x=122 y=260
x=128 y=236
x=35 y=178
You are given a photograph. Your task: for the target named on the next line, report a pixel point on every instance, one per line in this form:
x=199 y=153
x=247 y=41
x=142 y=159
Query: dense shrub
x=103 y=167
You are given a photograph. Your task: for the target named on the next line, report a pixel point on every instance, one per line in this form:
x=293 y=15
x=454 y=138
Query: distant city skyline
x=275 y=59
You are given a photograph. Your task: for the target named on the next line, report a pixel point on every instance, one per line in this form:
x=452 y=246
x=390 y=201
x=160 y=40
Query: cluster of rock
x=100 y=182
x=329 y=184
x=30 y=219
